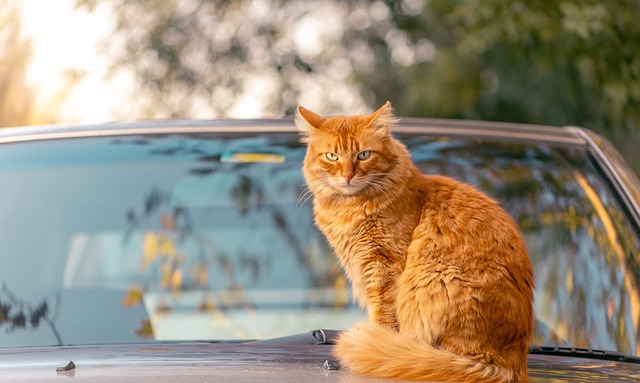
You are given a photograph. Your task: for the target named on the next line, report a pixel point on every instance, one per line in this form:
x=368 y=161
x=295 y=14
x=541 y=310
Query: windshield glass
x=211 y=237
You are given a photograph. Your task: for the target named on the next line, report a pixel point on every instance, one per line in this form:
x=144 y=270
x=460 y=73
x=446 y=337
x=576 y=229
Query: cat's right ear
x=308 y=122
x=382 y=119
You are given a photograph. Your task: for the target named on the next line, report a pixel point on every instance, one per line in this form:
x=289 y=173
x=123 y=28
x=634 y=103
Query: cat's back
x=457 y=213
x=446 y=192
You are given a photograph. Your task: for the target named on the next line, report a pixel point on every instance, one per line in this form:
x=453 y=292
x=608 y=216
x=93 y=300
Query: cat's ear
x=382 y=119
x=308 y=122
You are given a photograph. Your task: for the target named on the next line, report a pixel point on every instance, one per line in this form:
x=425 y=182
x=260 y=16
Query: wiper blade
x=584 y=353
x=317 y=337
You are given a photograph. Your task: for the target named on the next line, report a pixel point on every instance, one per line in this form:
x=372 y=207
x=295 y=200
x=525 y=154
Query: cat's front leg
x=381 y=291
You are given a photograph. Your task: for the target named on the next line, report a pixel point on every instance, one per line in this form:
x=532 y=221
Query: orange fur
x=441 y=269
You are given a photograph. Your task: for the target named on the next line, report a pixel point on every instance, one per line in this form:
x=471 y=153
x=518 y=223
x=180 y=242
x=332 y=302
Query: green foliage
x=571 y=62
x=557 y=63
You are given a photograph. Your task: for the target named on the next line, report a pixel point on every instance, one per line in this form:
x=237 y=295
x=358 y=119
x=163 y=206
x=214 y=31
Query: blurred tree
x=16 y=99
x=559 y=63
x=209 y=57
x=570 y=62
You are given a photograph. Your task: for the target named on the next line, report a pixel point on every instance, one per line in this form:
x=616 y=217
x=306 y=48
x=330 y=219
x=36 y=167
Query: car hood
x=247 y=362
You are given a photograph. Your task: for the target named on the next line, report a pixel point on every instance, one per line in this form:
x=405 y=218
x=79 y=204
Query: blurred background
x=571 y=62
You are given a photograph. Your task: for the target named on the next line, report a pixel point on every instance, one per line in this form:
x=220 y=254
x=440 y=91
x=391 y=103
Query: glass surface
x=211 y=237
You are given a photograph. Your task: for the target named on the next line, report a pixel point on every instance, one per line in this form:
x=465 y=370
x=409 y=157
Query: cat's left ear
x=382 y=119
x=308 y=122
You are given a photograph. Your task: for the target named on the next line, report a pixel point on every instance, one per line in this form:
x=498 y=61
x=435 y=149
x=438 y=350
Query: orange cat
x=441 y=269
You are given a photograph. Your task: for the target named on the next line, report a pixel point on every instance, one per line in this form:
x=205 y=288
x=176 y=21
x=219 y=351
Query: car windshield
x=211 y=237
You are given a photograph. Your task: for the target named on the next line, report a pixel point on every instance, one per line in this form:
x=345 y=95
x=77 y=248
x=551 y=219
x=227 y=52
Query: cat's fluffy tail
x=379 y=352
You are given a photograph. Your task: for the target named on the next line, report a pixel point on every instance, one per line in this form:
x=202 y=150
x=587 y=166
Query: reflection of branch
x=222 y=261
x=630 y=282
x=51 y=321
x=189 y=228
x=152 y=203
x=162 y=248
x=27 y=314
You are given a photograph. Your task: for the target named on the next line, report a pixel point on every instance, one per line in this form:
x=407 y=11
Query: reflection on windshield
x=16 y=314
x=212 y=237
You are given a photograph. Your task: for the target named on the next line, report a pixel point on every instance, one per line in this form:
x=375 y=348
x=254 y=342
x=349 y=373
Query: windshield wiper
x=584 y=353
x=329 y=337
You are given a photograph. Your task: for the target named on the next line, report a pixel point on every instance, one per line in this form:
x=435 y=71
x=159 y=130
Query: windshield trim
x=468 y=128
x=612 y=175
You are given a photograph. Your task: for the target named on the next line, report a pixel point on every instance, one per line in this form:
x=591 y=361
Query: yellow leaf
x=167 y=247
x=200 y=273
x=133 y=296
x=145 y=330
x=176 y=279
x=149 y=249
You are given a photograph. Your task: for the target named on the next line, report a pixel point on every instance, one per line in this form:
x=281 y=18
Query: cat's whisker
x=380 y=187
x=302 y=199
x=318 y=185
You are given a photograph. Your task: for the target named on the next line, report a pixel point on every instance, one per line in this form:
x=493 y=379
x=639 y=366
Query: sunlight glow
x=67 y=71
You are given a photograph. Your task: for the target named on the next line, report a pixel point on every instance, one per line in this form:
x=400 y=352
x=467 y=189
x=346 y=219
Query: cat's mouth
x=348 y=188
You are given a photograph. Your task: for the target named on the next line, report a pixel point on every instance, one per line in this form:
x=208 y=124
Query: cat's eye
x=331 y=156
x=363 y=155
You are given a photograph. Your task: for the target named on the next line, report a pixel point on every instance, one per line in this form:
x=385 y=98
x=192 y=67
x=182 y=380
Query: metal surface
x=613 y=173
x=424 y=126
x=251 y=362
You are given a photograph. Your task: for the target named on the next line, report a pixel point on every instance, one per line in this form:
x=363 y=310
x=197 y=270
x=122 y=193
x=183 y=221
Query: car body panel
x=202 y=362
x=424 y=126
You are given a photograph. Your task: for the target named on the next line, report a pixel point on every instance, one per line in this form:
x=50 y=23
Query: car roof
x=512 y=131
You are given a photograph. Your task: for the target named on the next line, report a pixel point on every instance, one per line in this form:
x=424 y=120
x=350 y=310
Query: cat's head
x=348 y=155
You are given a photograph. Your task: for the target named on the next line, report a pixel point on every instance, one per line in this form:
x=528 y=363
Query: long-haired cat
x=441 y=269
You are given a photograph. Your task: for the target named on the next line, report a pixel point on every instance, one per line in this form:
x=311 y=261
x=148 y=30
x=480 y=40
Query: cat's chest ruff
x=357 y=238
x=353 y=227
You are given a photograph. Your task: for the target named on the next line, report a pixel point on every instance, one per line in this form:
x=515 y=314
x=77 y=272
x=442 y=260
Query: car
x=185 y=250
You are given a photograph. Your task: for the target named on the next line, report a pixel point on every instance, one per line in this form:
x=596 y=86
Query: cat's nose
x=348 y=177
x=348 y=172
